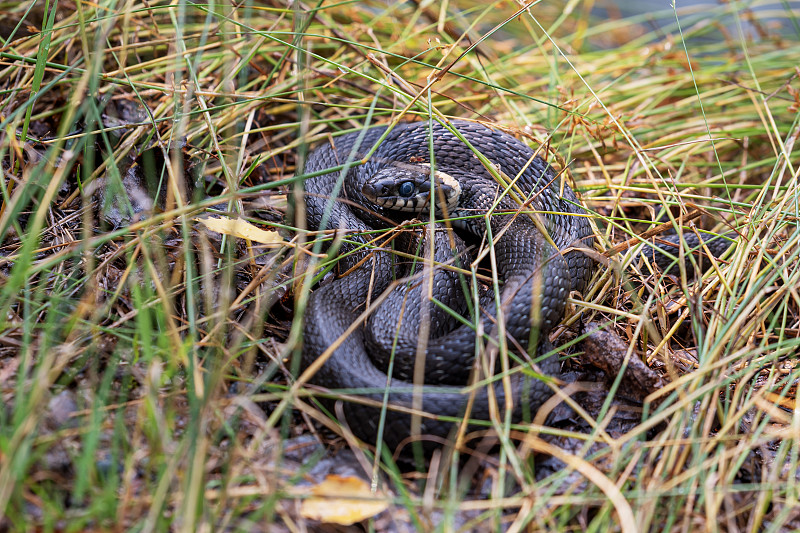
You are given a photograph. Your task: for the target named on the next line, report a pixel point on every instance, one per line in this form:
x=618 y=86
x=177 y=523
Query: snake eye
x=406 y=189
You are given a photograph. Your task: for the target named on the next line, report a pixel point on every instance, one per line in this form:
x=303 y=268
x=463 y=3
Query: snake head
x=409 y=190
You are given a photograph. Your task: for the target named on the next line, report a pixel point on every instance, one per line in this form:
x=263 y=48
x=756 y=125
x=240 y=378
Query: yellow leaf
x=343 y=501
x=242 y=229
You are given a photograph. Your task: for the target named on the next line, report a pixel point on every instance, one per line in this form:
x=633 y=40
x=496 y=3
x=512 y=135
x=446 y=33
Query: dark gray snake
x=536 y=277
x=535 y=272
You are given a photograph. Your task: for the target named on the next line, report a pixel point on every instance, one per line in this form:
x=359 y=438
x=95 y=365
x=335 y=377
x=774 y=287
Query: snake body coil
x=536 y=274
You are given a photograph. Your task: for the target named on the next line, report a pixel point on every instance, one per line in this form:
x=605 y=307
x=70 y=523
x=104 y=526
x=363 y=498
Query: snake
x=475 y=186
x=536 y=237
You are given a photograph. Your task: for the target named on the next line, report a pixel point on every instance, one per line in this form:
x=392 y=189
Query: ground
x=149 y=358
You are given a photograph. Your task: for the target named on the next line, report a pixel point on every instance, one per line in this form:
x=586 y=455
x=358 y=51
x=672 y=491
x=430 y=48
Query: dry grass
x=146 y=365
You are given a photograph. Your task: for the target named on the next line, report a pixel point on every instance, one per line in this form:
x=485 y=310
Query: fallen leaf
x=242 y=229
x=342 y=500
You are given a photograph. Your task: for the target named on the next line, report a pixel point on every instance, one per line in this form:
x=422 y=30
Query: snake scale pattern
x=535 y=272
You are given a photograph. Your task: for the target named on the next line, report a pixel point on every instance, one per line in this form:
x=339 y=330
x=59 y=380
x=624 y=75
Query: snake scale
x=535 y=274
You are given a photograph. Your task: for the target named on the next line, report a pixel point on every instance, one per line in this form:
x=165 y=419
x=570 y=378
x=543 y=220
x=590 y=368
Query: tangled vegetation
x=149 y=360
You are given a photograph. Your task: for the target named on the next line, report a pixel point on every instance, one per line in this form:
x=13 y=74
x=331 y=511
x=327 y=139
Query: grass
x=146 y=365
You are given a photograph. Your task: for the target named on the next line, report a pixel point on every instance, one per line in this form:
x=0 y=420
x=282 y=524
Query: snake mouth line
x=412 y=188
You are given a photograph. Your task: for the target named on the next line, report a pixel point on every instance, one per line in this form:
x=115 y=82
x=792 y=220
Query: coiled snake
x=535 y=274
